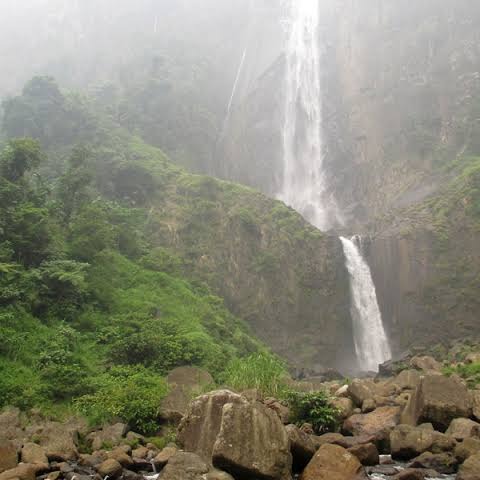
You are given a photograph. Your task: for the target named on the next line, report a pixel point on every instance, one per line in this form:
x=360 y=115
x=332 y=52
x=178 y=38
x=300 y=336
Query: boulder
x=140 y=452
x=58 y=441
x=24 y=471
x=252 y=442
x=378 y=423
x=10 y=426
x=135 y=438
x=408 y=442
x=333 y=462
x=33 y=453
x=110 y=468
x=360 y=390
x=437 y=400
x=344 y=407
x=415 y=474
x=302 y=447
x=200 y=426
x=110 y=435
x=426 y=364
x=164 y=456
x=407 y=380
x=349 y=442
x=326 y=438
x=218 y=475
x=462 y=428
x=366 y=453
x=8 y=455
x=470 y=470
x=91 y=460
x=444 y=463
x=475 y=399
x=185 y=466
x=184 y=383
x=193 y=377
x=128 y=475
x=469 y=447
x=121 y=457
x=368 y=405
x=281 y=410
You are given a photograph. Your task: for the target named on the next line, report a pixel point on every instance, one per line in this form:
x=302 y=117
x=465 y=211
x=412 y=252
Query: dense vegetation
x=90 y=309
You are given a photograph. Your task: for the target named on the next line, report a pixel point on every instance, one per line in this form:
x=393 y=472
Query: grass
x=469 y=372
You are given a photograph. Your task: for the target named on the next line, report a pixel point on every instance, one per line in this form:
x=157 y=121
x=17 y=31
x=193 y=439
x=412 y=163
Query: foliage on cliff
x=86 y=300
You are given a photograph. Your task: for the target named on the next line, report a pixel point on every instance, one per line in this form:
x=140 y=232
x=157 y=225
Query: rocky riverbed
x=413 y=425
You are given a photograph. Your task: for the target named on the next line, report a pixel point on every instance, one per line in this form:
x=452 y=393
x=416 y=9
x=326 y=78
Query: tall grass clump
x=261 y=371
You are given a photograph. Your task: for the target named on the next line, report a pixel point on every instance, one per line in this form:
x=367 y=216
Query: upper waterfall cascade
x=305 y=182
x=371 y=344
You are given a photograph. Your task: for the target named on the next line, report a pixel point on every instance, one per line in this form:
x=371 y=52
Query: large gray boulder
x=437 y=400
x=467 y=448
x=367 y=454
x=24 y=471
x=58 y=441
x=333 y=462
x=8 y=455
x=360 y=390
x=344 y=407
x=302 y=447
x=110 y=468
x=407 y=380
x=33 y=453
x=470 y=470
x=10 y=426
x=462 y=428
x=407 y=442
x=378 y=424
x=188 y=466
x=111 y=435
x=199 y=428
x=252 y=443
x=425 y=363
x=444 y=463
x=475 y=398
x=245 y=439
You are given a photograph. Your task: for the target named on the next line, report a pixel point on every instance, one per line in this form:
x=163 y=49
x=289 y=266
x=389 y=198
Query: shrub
x=470 y=372
x=132 y=394
x=313 y=408
x=262 y=371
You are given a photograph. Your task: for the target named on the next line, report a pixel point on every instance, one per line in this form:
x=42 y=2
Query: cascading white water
x=235 y=83
x=371 y=343
x=304 y=184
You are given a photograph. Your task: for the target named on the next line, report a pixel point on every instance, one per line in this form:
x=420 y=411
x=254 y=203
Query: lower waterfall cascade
x=305 y=185
x=371 y=343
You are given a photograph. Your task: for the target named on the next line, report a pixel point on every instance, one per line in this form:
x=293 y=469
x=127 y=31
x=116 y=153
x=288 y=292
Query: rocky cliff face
x=282 y=276
x=401 y=90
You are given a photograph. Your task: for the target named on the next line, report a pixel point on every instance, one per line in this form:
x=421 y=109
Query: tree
x=73 y=191
x=20 y=155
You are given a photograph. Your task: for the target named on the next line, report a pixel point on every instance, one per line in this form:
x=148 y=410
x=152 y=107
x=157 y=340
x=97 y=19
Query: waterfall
x=371 y=344
x=235 y=83
x=304 y=185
